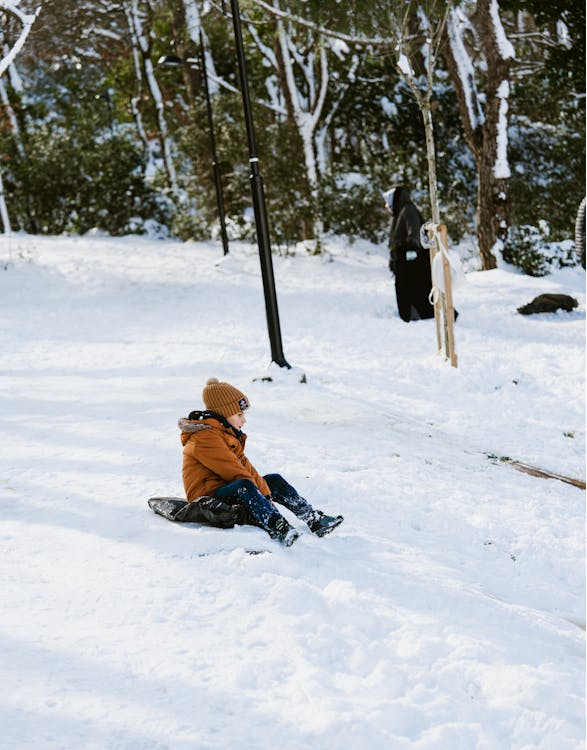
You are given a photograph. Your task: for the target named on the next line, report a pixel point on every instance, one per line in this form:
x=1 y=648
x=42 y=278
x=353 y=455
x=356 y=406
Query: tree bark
x=306 y=119
x=485 y=127
x=141 y=41
x=187 y=48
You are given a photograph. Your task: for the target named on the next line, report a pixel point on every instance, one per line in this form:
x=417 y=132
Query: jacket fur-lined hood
x=191 y=425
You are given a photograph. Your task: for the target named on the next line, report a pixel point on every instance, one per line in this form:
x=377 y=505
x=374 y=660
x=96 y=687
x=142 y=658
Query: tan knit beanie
x=224 y=398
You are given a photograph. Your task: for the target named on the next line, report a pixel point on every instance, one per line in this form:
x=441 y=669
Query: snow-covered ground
x=446 y=613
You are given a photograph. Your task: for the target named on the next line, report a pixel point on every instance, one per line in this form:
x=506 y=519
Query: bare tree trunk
x=3 y=210
x=423 y=42
x=186 y=29
x=316 y=73
x=485 y=127
x=13 y=124
x=7 y=58
x=493 y=169
x=142 y=50
x=431 y=158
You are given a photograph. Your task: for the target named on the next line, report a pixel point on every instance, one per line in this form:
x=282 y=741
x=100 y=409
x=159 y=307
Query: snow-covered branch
x=26 y=20
x=234 y=90
x=319 y=29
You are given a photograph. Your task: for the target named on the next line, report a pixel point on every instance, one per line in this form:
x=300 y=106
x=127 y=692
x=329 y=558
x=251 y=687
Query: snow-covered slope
x=447 y=612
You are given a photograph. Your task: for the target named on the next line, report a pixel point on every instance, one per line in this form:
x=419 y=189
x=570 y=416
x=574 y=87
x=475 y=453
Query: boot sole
x=328 y=529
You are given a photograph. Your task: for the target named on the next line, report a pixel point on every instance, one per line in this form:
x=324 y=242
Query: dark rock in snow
x=548 y=303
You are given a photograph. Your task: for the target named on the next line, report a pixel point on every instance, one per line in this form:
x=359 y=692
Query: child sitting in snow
x=214 y=464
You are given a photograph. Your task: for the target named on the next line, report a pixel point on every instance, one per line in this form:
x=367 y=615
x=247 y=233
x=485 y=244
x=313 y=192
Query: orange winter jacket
x=214 y=455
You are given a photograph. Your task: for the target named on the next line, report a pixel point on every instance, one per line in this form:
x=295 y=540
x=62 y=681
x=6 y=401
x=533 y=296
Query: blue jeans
x=263 y=511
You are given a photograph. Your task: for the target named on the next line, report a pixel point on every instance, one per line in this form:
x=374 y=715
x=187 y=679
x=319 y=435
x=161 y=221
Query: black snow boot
x=281 y=530
x=321 y=524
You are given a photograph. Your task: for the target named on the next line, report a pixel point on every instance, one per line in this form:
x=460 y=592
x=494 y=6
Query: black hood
x=401 y=196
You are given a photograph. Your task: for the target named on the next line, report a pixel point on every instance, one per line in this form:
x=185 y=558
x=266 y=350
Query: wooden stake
x=449 y=307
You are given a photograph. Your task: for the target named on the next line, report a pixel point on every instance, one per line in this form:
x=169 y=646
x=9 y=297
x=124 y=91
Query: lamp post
x=258 y=195
x=174 y=60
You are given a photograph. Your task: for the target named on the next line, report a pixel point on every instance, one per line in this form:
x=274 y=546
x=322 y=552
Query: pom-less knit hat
x=224 y=398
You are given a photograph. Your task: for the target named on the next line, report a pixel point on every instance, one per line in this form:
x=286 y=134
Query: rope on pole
x=436 y=238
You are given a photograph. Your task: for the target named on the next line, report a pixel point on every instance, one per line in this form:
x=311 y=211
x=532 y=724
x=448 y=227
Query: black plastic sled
x=205 y=510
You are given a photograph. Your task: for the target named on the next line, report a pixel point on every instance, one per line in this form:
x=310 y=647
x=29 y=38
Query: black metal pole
x=258 y=195
x=215 y=166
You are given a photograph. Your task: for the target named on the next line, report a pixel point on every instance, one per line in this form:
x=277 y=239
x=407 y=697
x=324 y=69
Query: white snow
x=340 y=47
x=501 y=168
x=446 y=613
x=563 y=35
x=403 y=63
x=388 y=106
x=505 y=47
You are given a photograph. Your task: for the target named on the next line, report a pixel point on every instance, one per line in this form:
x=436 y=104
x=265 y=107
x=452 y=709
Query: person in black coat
x=408 y=260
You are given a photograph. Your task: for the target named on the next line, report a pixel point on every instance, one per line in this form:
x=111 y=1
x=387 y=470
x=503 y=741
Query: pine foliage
x=85 y=140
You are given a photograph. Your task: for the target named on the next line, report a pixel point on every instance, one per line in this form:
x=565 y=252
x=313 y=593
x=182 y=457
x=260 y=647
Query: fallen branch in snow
x=536 y=472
